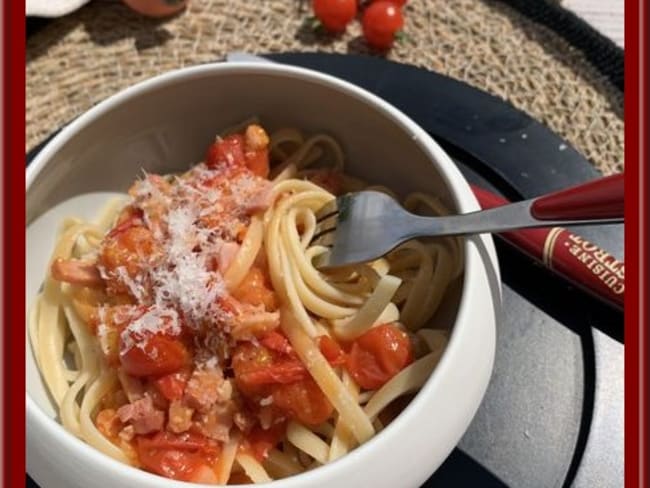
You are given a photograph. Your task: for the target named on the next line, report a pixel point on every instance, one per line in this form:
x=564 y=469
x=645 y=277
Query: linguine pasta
x=188 y=333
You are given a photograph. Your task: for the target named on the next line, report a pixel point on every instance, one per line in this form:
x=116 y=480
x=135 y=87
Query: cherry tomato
x=261 y=441
x=256 y=368
x=331 y=350
x=378 y=355
x=275 y=341
x=159 y=355
x=304 y=401
x=227 y=152
x=172 y=386
x=128 y=246
x=156 y=8
x=335 y=15
x=179 y=457
x=255 y=290
x=129 y=217
x=258 y=162
x=381 y=22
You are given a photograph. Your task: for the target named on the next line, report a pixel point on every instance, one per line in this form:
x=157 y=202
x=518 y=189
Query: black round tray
x=553 y=412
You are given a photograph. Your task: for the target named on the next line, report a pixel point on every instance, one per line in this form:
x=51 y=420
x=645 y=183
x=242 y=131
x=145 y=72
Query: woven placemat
x=78 y=60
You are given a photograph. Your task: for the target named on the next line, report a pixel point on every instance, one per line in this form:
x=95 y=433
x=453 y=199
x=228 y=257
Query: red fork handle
x=566 y=253
x=601 y=198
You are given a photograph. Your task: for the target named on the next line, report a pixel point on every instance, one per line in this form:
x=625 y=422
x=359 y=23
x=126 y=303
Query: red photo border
x=636 y=242
x=13 y=211
x=636 y=239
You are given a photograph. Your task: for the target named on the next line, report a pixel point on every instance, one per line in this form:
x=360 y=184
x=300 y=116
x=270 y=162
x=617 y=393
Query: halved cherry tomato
x=280 y=372
x=159 y=355
x=378 y=355
x=335 y=15
x=304 y=401
x=256 y=368
x=331 y=350
x=176 y=456
x=172 y=386
x=227 y=152
x=381 y=22
x=129 y=217
x=128 y=246
x=258 y=162
x=261 y=441
x=248 y=359
x=255 y=290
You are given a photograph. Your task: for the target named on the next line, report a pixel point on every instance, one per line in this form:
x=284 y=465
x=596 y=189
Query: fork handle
x=601 y=198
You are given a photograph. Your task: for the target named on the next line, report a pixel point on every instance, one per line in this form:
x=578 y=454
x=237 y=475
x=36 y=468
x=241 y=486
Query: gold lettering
x=588 y=246
x=601 y=256
x=584 y=257
x=575 y=238
x=598 y=268
x=575 y=249
x=611 y=281
x=619 y=289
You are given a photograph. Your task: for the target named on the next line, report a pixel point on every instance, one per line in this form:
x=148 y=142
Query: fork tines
x=326 y=219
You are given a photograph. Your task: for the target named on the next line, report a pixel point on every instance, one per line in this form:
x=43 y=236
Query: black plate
x=553 y=412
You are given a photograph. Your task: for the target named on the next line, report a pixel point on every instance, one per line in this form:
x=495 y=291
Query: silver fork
x=360 y=227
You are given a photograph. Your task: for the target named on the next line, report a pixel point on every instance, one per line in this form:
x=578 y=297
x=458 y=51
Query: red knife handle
x=579 y=261
x=601 y=198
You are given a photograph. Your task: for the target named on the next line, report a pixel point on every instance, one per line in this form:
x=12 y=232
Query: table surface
x=606 y=16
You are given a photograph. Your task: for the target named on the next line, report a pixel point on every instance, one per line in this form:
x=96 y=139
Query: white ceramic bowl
x=165 y=124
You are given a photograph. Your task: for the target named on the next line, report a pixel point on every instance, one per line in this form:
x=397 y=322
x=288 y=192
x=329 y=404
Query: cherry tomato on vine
x=381 y=22
x=335 y=15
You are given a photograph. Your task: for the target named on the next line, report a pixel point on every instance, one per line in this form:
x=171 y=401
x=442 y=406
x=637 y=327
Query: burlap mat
x=78 y=60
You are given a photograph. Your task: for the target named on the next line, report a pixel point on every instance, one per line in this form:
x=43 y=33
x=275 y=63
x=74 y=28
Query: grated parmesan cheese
x=191 y=217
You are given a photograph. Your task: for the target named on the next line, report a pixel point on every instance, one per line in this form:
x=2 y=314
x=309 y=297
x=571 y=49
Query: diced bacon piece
x=205 y=388
x=132 y=386
x=256 y=138
x=180 y=417
x=226 y=255
x=262 y=200
x=142 y=415
x=216 y=422
x=76 y=272
x=158 y=399
x=254 y=324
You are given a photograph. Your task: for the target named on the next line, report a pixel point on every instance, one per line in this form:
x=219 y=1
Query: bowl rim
x=460 y=194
